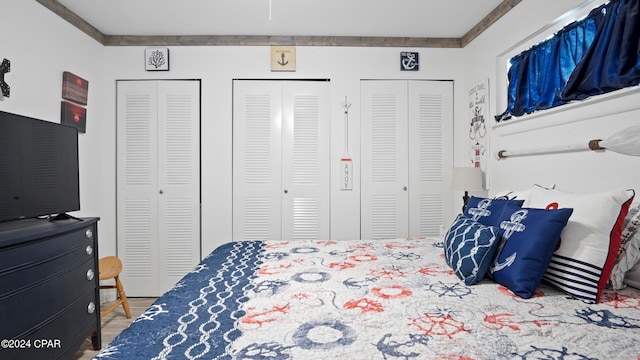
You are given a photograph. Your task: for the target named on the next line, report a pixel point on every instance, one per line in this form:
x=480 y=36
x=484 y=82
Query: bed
x=378 y=299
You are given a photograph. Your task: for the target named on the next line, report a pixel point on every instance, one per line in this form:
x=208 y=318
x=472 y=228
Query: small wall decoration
x=283 y=58
x=73 y=115
x=157 y=59
x=409 y=61
x=478 y=113
x=74 y=88
x=5 y=67
x=346 y=163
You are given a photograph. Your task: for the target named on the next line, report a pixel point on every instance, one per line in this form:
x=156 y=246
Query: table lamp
x=466 y=179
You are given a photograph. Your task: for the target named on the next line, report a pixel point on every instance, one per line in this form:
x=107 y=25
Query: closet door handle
x=161 y=192
x=286 y=191
x=404 y=188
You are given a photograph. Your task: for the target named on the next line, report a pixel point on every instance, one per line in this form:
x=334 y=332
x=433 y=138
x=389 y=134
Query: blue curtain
x=538 y=75
x=613 y=61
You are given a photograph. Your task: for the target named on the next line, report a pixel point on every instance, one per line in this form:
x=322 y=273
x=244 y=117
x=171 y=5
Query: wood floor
x=113 y=324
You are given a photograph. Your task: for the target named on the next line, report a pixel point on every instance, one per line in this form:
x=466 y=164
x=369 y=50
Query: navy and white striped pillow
x=584 y=259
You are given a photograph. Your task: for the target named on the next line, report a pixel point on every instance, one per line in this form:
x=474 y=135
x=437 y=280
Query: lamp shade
x=466 y=179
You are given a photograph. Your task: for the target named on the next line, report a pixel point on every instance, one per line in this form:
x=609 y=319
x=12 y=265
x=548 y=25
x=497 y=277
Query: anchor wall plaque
x=5 y=67
x=283 y=58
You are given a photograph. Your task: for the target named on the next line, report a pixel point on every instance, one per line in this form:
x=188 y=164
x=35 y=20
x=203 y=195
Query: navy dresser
x=49 y=288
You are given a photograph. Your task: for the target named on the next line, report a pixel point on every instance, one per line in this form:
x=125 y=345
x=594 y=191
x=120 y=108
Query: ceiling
x=435 y=23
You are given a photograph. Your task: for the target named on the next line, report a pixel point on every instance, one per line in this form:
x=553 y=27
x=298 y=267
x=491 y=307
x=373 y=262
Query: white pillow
x=632 y=277
x=628 y=255
x=523 y=194
x=586 y=253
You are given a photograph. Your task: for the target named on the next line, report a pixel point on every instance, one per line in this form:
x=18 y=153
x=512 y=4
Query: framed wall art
x=156 y=59
x=409 y=61
x=74 y=88
x=283 y=58
x=478 y=114
x=73 y=115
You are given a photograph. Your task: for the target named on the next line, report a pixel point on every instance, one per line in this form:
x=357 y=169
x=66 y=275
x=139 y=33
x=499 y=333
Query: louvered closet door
x=430 y=155
x=178 y=179
x=158 y=183
x=137 y=185
x=305 y=160
x=280 y=160
x=257 y=152
x=407 y=146
x=384 y=201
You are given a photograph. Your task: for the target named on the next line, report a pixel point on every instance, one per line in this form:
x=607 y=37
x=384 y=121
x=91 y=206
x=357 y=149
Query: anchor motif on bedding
x=480 y=211
x=509 y=228
x=257 y=319
x=394 y=349
x=152 y=312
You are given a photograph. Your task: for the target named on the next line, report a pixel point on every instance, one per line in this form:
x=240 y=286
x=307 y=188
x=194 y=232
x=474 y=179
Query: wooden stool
x=109 y=268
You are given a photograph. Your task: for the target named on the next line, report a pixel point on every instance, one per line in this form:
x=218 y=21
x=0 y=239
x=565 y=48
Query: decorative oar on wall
x=625 y=142
x=346 y=163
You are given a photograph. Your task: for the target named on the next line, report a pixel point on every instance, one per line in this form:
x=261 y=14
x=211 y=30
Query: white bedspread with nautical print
x=378 y=299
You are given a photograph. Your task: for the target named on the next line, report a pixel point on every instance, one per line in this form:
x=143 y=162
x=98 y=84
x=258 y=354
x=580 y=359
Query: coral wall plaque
x=157 y=59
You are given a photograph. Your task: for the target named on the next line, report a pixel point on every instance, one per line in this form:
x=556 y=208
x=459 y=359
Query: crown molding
x=265 y=40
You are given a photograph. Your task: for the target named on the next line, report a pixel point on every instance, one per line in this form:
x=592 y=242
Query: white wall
x=218 y=66
x=596 y=118
x=41 y=47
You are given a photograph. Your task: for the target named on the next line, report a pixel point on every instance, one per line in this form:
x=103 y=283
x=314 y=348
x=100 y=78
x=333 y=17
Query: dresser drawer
x=24 y=255
x=43 y=301
x=59 y=338
x=30 y=274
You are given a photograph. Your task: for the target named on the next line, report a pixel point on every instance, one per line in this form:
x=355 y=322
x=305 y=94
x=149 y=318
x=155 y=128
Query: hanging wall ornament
x=346 y=163
x=5 y=67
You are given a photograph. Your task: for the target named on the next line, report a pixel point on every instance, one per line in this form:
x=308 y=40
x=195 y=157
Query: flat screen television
x=38 y=168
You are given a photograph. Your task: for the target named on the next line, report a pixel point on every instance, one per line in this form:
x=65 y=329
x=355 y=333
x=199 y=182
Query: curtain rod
x=626 y=141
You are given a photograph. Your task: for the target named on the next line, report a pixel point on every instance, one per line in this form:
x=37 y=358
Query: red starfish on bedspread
x=300 y=296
